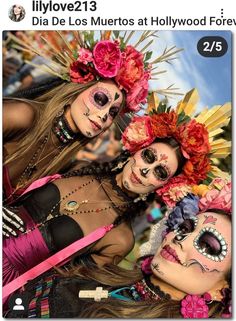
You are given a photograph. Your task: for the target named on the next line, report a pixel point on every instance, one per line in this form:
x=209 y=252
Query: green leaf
x=162 y=108
x=75 y=54
x=148 y=56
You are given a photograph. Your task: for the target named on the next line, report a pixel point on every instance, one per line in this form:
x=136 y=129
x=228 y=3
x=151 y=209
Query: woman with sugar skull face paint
x=188 y=275
x=82 y=201
x=44 y=126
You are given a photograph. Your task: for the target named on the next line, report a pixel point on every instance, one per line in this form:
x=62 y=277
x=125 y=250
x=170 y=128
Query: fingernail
x=22 y=229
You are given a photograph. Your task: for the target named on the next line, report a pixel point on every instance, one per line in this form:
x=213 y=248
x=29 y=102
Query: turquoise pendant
x=71 y=206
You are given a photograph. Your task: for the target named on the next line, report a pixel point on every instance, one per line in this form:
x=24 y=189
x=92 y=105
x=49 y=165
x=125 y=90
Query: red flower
x=174 y=191
x=164 y=124
x=196 y=168
x=138 y=134
x=194 y=138
x=81 y=73
x=194 y=307
x=107 y=58
x=138 y=93
x=132 y=68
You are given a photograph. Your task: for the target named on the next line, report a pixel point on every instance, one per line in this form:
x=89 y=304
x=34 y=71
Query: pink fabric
x=22 y=253
x=40 y=182
x=58 y=258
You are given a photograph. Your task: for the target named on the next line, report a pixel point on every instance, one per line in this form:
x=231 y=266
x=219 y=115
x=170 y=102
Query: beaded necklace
x=140 y=291
x=73 y=210
x=62 y=130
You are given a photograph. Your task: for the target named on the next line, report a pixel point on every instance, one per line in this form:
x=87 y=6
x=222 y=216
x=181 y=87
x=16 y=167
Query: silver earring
x=142 y=197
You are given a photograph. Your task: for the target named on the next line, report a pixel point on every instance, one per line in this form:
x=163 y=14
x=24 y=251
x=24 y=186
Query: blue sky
x=211 y=76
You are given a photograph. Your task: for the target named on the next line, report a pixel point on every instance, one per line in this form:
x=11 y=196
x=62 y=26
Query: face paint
x=194 y=272
x=210 y=220
x=211 y=244
x=145 y=172
x=94 y=110
x=162 y=171
x=149 y=155
x=184 y=229
x=163 y=157
x=204 y=268
x=100 y=97
x=116 y=96
x=155 y=266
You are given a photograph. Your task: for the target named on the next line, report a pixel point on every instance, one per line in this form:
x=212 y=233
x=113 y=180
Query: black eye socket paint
x=116 y=96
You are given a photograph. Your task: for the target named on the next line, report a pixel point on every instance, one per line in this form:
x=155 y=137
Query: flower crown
x=217 y=195
x=84 y=59
x=194 y=136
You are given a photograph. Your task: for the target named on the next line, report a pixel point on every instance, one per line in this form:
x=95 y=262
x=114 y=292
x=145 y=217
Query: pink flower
x=85 y=56
x=138 y=93
x=132 y=68
x=80 y=73
x=218 y=183
x=215 y=199
x=174 y=191
x=138 y=134
x=107 y=58
x=194 y=307
x=146 y=265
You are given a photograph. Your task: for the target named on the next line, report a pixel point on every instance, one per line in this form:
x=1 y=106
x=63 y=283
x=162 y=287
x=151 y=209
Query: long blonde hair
x=46 y=107
x=115 y=276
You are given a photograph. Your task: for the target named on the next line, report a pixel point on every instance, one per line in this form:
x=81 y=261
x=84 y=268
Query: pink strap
x=54 y=260
x=40 y=182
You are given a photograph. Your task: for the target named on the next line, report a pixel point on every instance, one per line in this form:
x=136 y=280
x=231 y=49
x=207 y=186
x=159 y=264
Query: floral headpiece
x=218 y=196
x=195 y=138
x=78 y=57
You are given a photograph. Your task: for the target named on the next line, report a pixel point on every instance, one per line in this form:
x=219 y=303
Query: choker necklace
x=62 y=130
x=145 y=290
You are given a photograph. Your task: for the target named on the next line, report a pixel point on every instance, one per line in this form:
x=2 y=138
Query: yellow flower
x=200 y=190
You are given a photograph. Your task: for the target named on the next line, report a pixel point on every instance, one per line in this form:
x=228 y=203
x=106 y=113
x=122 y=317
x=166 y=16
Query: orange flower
x=194 y=138
x=164 y=124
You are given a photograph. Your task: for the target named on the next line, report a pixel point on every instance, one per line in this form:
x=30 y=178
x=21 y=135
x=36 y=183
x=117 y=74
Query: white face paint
x=150 y=168
x=94 y=110
x=199 y=254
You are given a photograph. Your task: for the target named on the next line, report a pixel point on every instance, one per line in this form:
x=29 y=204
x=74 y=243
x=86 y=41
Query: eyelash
x=195 y=222
x=102 y=90
x=116 y=112
x=145 y=159
x=167 y=171
x=154 y=156
x=220 y=239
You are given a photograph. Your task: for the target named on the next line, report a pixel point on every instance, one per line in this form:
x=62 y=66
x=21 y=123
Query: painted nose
x=144 y=171
x=103 y=118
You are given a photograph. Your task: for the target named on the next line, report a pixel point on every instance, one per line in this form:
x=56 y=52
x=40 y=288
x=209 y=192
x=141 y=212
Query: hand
x=11 y=223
